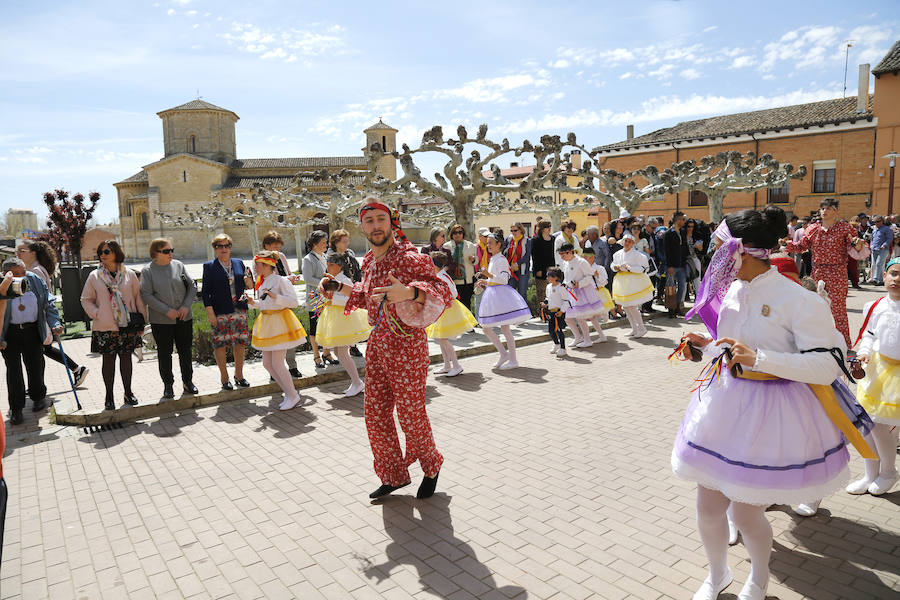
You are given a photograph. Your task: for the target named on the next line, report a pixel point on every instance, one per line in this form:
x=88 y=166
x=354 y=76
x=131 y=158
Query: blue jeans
x=521 y=284
x=681 y=282
x=879 y=259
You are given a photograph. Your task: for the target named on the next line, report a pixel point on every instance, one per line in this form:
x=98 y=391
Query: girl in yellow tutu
x=879 y=391
x=339 y=329
x=631 y=285
x=277 y=328
x=453 y=322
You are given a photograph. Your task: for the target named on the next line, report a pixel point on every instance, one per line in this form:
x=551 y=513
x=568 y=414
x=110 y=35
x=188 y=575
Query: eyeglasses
x=168 y=250
x=456 y=233
x=513 y=230
x=217 y=246
x=105 y=251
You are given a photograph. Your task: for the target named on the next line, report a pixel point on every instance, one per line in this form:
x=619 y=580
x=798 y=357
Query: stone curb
x=83 y=418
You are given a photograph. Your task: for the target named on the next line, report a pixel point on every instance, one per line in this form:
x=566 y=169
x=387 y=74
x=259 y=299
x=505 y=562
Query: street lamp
x=893 y=158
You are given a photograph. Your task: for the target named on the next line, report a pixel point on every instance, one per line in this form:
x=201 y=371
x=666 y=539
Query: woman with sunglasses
x=224 y=282
x=112 y=299
x=168 y=291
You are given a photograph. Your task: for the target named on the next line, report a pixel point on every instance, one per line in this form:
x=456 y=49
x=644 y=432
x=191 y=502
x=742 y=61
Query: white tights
x=449 y=353
x=634 y=318
x=713 y=526
x=884 y=442
x=273 y=361
x=343 y=354
x=510 y=349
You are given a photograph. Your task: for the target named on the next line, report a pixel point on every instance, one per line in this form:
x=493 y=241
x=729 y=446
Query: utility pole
x=846 y=61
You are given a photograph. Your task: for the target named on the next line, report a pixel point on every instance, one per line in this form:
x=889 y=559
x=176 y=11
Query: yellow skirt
x=879 y=391
x=335 y=329
x=453 y=322
x=277 y=330
x=631 y=289
x=608 y=303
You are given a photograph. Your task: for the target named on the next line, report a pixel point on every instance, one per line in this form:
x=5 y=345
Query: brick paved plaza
x=556 y=485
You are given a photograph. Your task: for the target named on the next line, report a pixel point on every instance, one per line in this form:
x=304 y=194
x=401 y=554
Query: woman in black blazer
x=224 y=282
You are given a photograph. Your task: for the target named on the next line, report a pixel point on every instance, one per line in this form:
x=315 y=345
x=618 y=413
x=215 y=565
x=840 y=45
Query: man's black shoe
x=109 y=405
x=168 y=392
x=15 y=417
x=354 y=351
x=130 y=400
x=295 y=373
x=38 y=405
x=386 y=489
x=190 y=388
x=427 y=487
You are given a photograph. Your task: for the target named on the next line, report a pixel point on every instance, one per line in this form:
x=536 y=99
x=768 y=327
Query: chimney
x=576 y=160
x=513 y=165
x=630 y=132
x=862 y=97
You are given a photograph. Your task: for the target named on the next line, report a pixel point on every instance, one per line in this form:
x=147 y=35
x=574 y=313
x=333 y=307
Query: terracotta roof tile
x=299 y=163
x=379 y=126
x=784 y=117
x=277 y=181
x=139 y=177
x=197 y=105
x=890 y=63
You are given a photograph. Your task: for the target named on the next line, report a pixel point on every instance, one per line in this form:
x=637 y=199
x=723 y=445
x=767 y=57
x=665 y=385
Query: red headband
x=393 y=214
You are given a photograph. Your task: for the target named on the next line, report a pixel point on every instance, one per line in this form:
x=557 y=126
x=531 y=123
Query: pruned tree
x=555 y=209
x=68 y=219
x=210 y=217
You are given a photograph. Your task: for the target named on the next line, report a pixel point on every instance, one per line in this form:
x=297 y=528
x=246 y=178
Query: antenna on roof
x=199 y=96
x=846 y=59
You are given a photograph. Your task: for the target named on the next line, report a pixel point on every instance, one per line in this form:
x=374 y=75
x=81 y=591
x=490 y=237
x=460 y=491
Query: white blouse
x=286 y=297
x=600 y=275
x=636 y=261
x=338 y=299
x=499 y=268
x=780 y=319
x=882 y=334
x=558 y=297
x=443 y=274
x=578 y=272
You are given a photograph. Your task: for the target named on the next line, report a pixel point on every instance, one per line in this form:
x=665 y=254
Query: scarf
x=570 y=239
x=120 y=311
x=514 y=253
x=459 y=270
x=720 y=274
x=484 y=257
x=395 y=217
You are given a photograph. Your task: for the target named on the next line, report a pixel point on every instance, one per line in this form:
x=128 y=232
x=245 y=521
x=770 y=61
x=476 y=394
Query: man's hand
x=539 y=274
x=211 y=315
x=57 y=330
x=396 y=292
x=183 y=313
x=696 y=339
x=740 y=353
x=172 y=314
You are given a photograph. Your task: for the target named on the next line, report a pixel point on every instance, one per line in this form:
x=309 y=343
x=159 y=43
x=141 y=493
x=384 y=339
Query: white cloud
x=495 y=89
x=191 y=13
x=691 y=74
x=710 y=28
x=742 y=61
x=663 y=72
x=803 y=47
x=285 y=44
x=170 y=12
x=627 y=75
x=561 y=63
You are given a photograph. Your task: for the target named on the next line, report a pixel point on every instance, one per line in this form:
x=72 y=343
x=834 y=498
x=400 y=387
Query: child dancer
x=580 y=280
x=453 y=322
x=277 y=328
x=879 y=390
x=600 y=280
x=340 y=330
x=558 y=298
x=501 y=305
x=631 y=285
x=760 y=435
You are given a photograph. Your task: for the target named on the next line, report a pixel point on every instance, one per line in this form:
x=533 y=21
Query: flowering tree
x=68 y=220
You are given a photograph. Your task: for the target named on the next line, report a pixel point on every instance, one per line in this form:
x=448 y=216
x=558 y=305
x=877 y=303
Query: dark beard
x=388 y=238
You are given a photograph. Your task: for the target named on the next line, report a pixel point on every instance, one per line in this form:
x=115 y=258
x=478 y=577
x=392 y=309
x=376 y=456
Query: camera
x=17 y=288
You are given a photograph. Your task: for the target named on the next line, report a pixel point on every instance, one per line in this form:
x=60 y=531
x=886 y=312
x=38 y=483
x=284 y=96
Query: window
x=184 y=175
x=781 y=195
x=281 y=218
x=128 y=210
x=193 y=143
x=698 y=198
x=384 y=143
x=145 y=222
x=823 y=176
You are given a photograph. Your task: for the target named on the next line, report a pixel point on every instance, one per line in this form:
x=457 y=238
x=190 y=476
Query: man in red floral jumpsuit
x=829 y=242
x=402 y=295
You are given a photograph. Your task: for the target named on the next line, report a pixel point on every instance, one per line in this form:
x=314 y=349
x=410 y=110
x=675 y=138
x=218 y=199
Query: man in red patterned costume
x=829 y=242
x=403 y=295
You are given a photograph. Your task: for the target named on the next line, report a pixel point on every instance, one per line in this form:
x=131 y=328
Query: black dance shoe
x=242 y=382
x=427 y=487
x=130 y=400
x=386 y=489
x=109 y=405
x=227 y=386
x=354 y=351
x=295 y=373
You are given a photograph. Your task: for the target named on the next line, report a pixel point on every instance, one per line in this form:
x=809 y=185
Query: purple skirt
x=502 y=305
x=762 y=442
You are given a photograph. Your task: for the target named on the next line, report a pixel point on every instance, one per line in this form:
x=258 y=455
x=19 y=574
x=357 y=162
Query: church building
x=200 y=159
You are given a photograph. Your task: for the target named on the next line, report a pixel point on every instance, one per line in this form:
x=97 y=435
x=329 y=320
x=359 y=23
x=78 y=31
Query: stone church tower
x=386 y=136
x=201 y=129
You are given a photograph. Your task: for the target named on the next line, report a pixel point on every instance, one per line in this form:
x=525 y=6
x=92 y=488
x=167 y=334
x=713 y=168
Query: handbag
x=136 y=321
x=671 y=293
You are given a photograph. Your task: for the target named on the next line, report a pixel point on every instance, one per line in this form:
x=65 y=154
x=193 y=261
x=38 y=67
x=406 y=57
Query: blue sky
x=82 y=81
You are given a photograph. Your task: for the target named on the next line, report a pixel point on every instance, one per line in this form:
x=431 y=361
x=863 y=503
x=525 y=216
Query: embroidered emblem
x=765 y=310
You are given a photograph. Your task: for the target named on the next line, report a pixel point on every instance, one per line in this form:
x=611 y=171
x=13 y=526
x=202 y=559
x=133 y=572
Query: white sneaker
x=561 y=352
x=577 y=340
x=503 y=358
x=807 y=509
x=884 y=483
x=751 y=591
x=289 y=403
x=632 y=333
x=354 y=390
x=860 y=486
x=555 y=349
x=640 y=333
x=510 y=364
x=601 y=338
x=585 y=344
x=710 y=590
x=454 y=371
x=441 y=369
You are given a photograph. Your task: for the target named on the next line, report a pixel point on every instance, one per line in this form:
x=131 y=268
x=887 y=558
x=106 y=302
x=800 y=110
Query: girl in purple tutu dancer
x=765 y=424
x=501 y=305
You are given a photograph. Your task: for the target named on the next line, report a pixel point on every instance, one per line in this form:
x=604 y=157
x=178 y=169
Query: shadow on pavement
x=433 y=532
x=523 y=374
x=351 y=406
x=466 y=381
x=822 y=557
x=104 y=439
x=287 y=423
x=172 y=426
